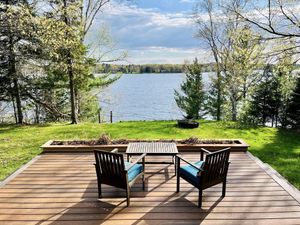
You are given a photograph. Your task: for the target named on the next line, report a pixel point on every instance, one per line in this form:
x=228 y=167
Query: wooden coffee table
x=153 y=148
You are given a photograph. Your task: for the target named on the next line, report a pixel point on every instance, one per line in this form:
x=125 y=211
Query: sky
x=157 y=31
x=151 y=31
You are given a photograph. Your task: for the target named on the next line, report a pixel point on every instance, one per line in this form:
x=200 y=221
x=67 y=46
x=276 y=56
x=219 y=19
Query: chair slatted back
x=216 y=167
x=110 y=168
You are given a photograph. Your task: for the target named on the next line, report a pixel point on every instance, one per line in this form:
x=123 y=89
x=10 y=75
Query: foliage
x=192 y=98
x=89 y=107
x=240 y=57
x=18 y=45
x=146 y=68
x=287 y=81
x=265 y=99
x=214 y=101
x=44 y=63
x=293 y=108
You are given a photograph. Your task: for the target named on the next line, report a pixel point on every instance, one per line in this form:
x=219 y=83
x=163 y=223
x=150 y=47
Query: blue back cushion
x=190 y=172
x=134 y=171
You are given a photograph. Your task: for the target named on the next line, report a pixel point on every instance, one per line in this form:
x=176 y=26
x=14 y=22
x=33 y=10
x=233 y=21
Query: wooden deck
x=61 y=189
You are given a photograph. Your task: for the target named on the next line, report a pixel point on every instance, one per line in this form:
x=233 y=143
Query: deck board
x=61 y=188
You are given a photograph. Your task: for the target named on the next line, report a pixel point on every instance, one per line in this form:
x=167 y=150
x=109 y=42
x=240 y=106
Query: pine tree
x=17 y=45
x=215 y=99
x=293 y=109
x=265 y=100
x=191 y=98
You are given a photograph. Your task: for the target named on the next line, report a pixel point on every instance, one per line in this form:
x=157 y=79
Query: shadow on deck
x=62 y=189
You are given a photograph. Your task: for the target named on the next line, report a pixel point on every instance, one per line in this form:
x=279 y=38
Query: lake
x=143 y=97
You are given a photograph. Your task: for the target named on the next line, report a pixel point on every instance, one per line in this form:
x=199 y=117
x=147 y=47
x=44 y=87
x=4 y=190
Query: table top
x=152 y=148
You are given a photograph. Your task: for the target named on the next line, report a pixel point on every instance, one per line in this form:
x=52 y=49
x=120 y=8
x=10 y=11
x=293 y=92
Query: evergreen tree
x=17 y=46
x=191 y=99
x=265 y=100
x=214 y=99
x=293 y=109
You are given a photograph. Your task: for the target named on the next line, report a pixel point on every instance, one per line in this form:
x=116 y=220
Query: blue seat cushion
x=190 y=172
x=134 y=171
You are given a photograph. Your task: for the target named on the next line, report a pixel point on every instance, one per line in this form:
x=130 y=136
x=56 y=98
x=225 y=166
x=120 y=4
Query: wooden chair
x=112 y=170
x=204 y=174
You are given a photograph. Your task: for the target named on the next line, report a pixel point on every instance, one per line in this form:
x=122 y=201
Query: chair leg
x=177 y=174
x=200 y=198
x=224 y=188
x=175 y=164
x=128 y=196
x=99 y=190
x=178 y=183
x=143 y=180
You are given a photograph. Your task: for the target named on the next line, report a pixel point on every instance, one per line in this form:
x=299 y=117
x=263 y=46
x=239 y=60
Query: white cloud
x=153 y=17
x=148 y=35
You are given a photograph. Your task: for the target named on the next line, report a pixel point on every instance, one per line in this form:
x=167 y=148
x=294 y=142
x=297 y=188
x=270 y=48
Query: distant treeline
x=147 y=68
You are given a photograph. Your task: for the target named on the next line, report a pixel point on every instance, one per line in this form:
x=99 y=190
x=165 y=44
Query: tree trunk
x=14 y=106
x=264 y=119
x=12 y=73
x=244 y=88
x=234 y=110
x=37 y=114
x=18 y=100
x=77 y=100
x=74 y=117
x=219 y=95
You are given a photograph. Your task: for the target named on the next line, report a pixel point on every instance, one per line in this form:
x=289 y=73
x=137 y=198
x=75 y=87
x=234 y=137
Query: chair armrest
x=206 y=151
x=136 y=161
x=115 y=150
x=222 y=150
x=191 y=164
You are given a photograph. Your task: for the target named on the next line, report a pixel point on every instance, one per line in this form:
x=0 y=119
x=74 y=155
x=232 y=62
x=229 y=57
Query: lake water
x=143 y=97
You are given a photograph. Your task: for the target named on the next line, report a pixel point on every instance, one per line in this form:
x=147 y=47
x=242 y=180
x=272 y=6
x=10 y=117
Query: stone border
x=284 y=183
x=18 y=171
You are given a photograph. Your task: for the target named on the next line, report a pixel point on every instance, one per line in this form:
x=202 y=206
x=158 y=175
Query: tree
x=287 y=81
x=275 y=18
x=69 y=55
x=293 y=109
x=214 y=104
x=192 y=98
x=265 y=99
x=210 y=32
x=240 y=57
x=17 y=46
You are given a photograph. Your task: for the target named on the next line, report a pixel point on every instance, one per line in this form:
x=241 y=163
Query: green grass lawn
x=279 y=148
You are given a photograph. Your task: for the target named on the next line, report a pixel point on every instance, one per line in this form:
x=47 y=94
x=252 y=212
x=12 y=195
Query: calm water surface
x=143 y=97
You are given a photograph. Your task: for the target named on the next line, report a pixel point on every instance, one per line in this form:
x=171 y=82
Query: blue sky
x=152 y=31
x=156 y=31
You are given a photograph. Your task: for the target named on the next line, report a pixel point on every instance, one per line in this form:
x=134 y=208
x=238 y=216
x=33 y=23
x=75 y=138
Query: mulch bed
x=105 y=140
